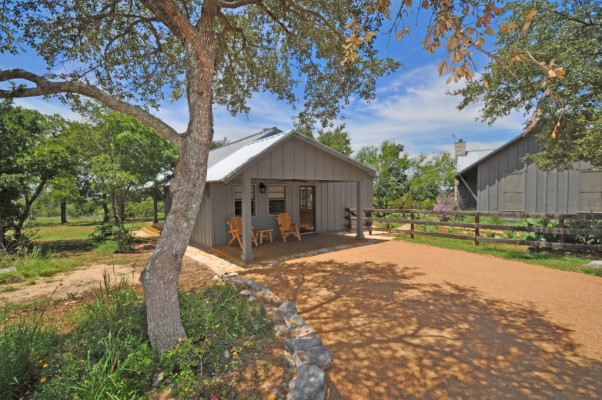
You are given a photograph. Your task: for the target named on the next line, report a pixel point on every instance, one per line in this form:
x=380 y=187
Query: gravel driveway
x=406 y=320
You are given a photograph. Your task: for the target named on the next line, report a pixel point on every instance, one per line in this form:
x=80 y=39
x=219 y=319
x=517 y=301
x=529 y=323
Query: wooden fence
x=412 y=217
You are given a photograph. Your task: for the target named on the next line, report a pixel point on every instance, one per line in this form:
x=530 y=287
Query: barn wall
x=202 y=232
x=296 y=159
x=542 y=191
x=331 y=200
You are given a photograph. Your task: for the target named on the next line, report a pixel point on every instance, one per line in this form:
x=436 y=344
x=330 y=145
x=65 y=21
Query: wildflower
x=22 y=398
x=32 y=353
x=40 y=361
x=43 y=380
x=44 y=366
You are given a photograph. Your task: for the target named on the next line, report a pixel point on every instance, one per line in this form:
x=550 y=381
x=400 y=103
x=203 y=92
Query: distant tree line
x=96 y=164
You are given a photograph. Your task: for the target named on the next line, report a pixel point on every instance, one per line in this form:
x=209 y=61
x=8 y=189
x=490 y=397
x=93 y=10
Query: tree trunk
x=27 y=208
x=121 y=205
x=105 y=208
x=63 y=212
x=160 y=277
x=114 y=207
x=2 y=245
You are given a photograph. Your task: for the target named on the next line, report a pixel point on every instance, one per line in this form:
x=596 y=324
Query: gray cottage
x=501 y=180
x=272 y=172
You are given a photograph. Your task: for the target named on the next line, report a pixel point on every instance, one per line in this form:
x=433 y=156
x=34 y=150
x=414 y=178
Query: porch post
x=360 y=209
x=247 y=243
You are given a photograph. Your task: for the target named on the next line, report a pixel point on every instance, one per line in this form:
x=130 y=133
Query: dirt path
x=405 y=320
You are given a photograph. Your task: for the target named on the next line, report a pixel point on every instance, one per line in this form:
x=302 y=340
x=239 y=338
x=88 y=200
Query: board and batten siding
x=499 y=177
x=296 y=159
x=291 y=163
x=331 y=200
x=201 y=232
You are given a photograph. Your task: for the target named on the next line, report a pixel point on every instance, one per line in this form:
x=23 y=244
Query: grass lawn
x=50 y=229
x=548 y=259
x=61 y=248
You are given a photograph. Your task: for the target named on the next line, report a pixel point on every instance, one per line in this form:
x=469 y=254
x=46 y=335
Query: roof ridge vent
x=267 y=132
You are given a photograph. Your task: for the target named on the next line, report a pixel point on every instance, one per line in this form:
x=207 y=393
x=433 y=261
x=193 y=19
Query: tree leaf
x=441 y=66
x=531 y=14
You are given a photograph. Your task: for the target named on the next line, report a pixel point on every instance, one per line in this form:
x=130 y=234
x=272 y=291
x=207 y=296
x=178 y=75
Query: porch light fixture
x=262 y=187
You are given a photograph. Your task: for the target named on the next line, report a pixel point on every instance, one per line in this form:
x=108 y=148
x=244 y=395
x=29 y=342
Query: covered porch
x=278 y=250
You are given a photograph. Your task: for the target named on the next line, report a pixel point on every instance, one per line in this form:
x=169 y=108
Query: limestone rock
x=595 y=264
x=294 y=320
x=245 y=292
x=237 y=281
x=280 y=330
x=310 y=384
x=302 y=343
x=319 y=356
x=157 y=379
x=277 y=316
x=269 y=297
x=288 y=309
x=9 y=269
x=253 y=285
x=301 y=330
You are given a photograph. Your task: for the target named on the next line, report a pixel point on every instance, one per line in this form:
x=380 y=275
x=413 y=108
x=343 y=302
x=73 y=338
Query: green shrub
x=25 y=346
x=220 y=325
x=113 y=232
x=108 y=355
x=32 y=263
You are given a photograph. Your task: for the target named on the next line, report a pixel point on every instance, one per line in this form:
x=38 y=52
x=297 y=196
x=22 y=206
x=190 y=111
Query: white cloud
x=414 y=109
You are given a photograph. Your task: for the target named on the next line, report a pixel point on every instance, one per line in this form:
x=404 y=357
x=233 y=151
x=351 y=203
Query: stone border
x=304 y=349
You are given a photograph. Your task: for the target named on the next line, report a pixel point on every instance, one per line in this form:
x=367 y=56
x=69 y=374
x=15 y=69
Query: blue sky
x=411 y=107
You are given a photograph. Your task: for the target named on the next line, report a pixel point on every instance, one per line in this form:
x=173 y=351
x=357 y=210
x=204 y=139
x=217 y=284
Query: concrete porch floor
x=278 y=250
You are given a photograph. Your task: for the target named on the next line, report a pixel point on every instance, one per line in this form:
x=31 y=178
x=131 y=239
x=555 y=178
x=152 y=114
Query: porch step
x=151 y=230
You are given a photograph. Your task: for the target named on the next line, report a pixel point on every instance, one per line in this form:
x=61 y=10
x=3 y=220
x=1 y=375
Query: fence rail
x=560 y=230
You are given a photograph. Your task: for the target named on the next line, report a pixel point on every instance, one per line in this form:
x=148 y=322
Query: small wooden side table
x=264 y=234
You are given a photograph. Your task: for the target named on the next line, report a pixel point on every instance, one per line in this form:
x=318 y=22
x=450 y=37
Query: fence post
x=561 y=225
x=348 y=219
x=368 y=214
x=477 y=232
x=412 y=225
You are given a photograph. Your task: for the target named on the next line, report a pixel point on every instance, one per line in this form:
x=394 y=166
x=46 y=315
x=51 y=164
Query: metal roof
x=471 y=157
x=489 y=154
x=227 y=162
x=234 y=157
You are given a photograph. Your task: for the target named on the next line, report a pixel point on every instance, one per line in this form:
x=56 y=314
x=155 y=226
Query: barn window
x=277 y=199
x=513 y=192
x=238 y=200
x=590 y=199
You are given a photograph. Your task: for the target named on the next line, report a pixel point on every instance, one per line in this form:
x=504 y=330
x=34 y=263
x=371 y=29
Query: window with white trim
x=590 y=191
x=276 y=199
x=513 y=192
x=238 y=200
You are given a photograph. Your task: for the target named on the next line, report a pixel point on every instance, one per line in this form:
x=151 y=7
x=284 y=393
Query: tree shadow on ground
x=394 y=338
x=66 y=246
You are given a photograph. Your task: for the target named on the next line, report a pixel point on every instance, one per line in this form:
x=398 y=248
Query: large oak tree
x=131 y=54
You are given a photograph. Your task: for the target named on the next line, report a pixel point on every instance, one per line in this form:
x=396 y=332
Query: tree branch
x=236 y=4
x=291 y=36
x=45 y=87
x=168 y=12
x=319 y=17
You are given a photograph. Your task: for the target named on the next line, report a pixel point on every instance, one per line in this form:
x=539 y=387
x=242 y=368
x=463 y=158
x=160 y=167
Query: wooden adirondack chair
x=286 y=227
x=235 y=224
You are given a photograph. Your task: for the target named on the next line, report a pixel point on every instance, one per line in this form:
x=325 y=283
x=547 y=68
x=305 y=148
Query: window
x=238 y=200
x=276 y=199
x=513 y=192
x=590 y=196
